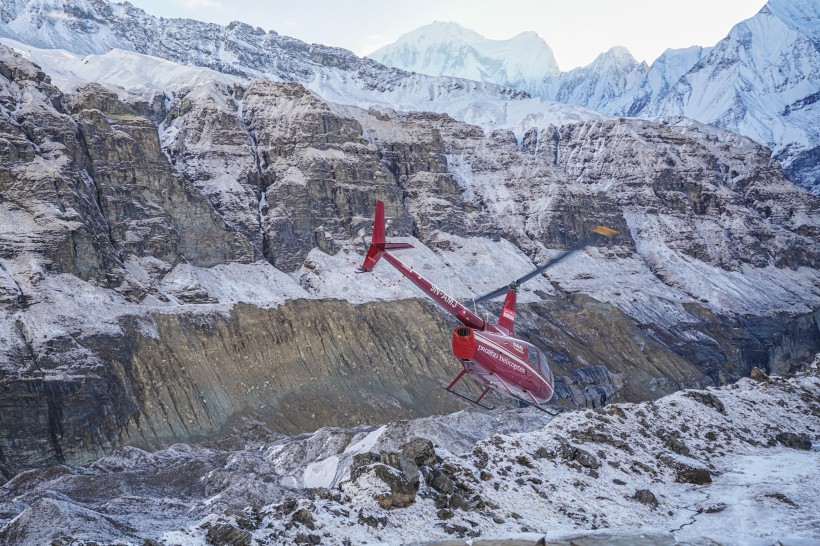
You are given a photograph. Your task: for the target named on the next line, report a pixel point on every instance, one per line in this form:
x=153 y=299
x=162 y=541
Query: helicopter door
x=544 y=366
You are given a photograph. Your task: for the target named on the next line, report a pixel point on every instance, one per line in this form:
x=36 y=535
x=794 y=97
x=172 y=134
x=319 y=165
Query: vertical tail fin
x=378 y=225
x=507 y=318
x=377 y=241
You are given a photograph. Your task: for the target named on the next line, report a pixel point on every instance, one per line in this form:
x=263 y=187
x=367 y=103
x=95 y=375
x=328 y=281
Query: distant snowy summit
x=523 y=62
x=448 y=49
x=761 y=81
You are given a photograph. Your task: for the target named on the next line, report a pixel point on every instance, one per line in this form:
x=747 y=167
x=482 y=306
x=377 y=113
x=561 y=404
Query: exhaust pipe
x=464 y=343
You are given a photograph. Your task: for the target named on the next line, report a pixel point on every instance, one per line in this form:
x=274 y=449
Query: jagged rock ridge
x=95 y=26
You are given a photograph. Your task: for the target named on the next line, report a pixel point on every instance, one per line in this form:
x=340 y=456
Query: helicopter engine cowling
x=464 y=343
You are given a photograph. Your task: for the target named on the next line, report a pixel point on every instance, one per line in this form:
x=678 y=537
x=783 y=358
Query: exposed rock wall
x=149 y=208
x=700 y=180
x=320 y=176
x=798 y=343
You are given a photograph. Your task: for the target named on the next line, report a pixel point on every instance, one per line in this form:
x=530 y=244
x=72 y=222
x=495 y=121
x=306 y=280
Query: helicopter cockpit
x=538 y=360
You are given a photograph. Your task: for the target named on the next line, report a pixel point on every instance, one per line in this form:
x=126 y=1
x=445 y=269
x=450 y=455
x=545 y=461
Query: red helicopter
x=489 y=352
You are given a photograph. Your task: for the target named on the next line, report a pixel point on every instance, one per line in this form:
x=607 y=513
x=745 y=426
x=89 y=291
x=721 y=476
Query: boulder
x=223 y=534
x=706 y=398
x=759 y=375
x=420 y=450
x=687 y=470
x=581 y=456
x=403 y=464
x=397 y=492
x=645 y=496
x=794 y=440
x=439 y=481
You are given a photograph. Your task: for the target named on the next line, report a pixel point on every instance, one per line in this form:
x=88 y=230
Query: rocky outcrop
x=319 y=174
x=43 y=163
x=209 y=144
x=149 y=208
x=795 y=441
x=797 y=343
x=697 y=178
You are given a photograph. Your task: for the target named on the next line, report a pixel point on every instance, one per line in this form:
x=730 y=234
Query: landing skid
x=477 y=401
x=468 y=399
x=537 y=406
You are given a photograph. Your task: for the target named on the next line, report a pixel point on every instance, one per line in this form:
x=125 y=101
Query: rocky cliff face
x=149 y=247
x=293 y=367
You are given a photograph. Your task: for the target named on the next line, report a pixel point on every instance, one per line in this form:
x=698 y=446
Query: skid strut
x=477 y=401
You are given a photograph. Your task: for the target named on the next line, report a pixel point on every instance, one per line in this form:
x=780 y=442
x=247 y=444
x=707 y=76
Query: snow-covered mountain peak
x=800 y=15
x=528 y=36
x=449 y=49
x=618 y=57
x=440 y=31
x=619 y=52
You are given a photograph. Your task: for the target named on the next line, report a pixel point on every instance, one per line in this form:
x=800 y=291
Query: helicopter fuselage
x=506 y=364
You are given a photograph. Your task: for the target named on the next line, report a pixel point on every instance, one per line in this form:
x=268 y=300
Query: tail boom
x=379 y=249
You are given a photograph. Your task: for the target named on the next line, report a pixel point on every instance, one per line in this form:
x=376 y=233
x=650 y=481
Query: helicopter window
x=538 y=360
x=545 y=369
x=532 y=355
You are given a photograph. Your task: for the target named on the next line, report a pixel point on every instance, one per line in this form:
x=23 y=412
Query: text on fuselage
x=500 y=357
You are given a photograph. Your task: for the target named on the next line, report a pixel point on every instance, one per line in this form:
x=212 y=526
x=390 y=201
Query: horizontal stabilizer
x=396 y=246
x=378 y=246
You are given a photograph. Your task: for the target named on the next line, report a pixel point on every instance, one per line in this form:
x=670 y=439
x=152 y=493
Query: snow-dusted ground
x=514 y=471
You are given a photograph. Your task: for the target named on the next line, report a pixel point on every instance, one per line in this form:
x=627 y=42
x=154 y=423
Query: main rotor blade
x=597 y=230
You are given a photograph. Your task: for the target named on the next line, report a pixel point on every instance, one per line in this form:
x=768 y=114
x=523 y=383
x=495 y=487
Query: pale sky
x=576 y=30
